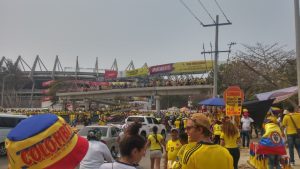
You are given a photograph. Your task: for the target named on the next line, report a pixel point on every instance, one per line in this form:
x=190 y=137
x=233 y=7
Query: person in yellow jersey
x=183 y=138
x=172 y=148
x=217 y=130
x=205 y=154
x=230 y=137
x=184 y=122
x=177 y=123
x=291 y=122
x=156 y=143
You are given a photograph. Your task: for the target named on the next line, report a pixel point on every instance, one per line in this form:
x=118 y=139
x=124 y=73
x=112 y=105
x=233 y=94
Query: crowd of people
x=160 y=82
x=197 y=140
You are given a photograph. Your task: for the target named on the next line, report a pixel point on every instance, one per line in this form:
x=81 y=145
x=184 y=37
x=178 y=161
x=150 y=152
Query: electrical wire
x=206 y=10
x=191 y=12
x=222 y=11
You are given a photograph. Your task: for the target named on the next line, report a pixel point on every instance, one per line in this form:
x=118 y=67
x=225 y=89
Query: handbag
x=297 y=129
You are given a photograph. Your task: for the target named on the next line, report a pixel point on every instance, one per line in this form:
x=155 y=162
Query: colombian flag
x=271 y=142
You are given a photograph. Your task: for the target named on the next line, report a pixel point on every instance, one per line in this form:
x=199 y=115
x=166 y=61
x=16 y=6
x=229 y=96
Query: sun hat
x=44 y=141
x=201 y=120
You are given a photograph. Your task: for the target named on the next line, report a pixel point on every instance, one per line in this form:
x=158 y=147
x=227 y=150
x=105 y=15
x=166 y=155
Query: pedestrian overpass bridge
x=203 y=90
x=200 y=90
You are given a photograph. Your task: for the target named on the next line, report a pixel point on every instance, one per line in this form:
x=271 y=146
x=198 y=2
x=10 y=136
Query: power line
x=191 y=12
x=222 y=11
x=206 y=11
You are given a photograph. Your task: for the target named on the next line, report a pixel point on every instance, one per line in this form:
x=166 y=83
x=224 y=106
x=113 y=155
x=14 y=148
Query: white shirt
x=117 y=165
x=97 y=153
x=246 y=123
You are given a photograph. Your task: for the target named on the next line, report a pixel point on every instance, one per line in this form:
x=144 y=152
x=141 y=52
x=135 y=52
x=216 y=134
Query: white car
x=109 y=136
x=7 y=122
x=148 y=123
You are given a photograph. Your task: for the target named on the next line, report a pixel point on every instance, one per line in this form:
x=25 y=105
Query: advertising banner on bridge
x=193 y=66
x=110 y=74
x=234 y=98
x=48 y=83
x=166 y=68
x=144 y=71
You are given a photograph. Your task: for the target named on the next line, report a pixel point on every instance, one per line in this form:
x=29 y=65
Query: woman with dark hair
x=230 y=138
x=132 y=148
x=97 y=153
x=156 y=142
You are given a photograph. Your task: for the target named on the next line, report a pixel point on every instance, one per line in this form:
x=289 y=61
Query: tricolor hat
x=44 y=141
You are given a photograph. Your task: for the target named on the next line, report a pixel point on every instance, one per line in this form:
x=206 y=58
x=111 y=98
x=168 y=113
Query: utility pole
x=216 y=52
x=297 y=32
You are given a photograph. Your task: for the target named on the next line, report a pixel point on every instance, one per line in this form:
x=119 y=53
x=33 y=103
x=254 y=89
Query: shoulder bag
x=297 y=129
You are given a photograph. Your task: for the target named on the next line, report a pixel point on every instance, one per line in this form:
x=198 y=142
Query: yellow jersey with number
x=172 y=148
x=207 y=156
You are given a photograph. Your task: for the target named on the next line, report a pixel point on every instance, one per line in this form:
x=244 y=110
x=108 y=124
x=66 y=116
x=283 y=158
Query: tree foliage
x=259 y=68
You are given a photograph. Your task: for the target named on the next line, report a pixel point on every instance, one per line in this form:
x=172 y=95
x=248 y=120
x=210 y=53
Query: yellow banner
x=194 y=66
x=137 y=72
x=233 y=105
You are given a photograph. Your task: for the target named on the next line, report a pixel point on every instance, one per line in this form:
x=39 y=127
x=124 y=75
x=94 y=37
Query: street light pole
x=297 y=31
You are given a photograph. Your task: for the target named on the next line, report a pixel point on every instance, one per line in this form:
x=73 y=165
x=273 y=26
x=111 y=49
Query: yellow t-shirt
x=184 y=122
x=287 y=122
x=177 y=124
x=172 y=148
x=207 y=156
x=230 y=142
x=217 y=129
x=154 y=144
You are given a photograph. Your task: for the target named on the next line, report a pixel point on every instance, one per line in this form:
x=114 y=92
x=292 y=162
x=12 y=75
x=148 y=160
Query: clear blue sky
x=152 y=31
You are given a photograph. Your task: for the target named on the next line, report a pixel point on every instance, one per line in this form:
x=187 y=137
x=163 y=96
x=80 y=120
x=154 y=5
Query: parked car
x=109 y=136
x=7 y=122
x=148 y=123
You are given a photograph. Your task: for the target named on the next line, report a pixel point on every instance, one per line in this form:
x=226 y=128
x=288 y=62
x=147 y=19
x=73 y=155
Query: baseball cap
x=201 y=120
x=44 y=141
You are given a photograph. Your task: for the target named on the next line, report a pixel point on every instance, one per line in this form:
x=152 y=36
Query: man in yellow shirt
x=204 y=154
x=172 y=148
x=289 y=121
x=177 y=123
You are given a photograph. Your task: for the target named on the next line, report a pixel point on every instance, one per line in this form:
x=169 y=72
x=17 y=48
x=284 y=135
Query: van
x=7 y=122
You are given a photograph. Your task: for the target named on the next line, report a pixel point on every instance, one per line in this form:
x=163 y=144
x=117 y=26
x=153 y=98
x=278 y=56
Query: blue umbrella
x=213 y=102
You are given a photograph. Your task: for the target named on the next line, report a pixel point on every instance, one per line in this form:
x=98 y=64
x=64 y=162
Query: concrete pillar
x=157 y=103
x=86 y=104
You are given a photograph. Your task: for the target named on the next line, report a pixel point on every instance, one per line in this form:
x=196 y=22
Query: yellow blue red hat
x=44 y=141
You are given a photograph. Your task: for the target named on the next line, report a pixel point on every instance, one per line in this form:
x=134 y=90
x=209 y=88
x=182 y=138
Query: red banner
x=47 y=83
x=161 y=69
x=110 y=74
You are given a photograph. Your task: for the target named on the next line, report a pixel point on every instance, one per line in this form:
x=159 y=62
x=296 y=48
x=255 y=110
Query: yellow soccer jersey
x=230 y=142
x=288 y=123
x=217 y=129
x=178 y=163
x=172 y=148
x=177 y=124
x=207 y=156
x=154 y=144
